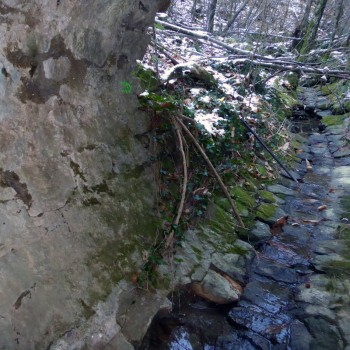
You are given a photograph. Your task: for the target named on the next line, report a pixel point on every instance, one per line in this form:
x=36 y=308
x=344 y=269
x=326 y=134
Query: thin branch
x=211 y=167
x=253 y=58
x=165 y=52
x=184 y=165
x=170 y=238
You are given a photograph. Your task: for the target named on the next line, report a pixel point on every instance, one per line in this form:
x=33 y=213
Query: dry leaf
x=331 y=190
x=310 y=200
x=314 y=222
x=285 y=147
x=187 y=101
x=295 y=224
x=279 y=223
x=308 y=165
x=322 y=207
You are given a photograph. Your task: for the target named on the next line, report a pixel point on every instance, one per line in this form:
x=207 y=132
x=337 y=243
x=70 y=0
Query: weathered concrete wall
x=76 y=190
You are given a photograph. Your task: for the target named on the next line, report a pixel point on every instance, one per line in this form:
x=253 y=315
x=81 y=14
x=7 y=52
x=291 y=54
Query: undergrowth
x=236 y=155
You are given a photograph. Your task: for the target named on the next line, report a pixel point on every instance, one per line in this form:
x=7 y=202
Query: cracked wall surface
x=76 y=188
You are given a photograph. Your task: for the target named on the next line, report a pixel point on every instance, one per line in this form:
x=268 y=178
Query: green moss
x=243 y=196
x=267 y=196
x=237 y=250
x=331 y=120
x=293 y=79
x=338 y=267
x=197 y=251
x=266 y=211
x=91 y=201
x=221 y=222
x=289 y=99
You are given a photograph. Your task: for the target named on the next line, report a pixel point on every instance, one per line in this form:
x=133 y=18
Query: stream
x=297 y=291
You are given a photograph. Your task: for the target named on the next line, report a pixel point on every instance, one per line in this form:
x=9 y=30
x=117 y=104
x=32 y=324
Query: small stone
x=300 y=338
x=279 y=189
x=218 y=289
x=261 y=231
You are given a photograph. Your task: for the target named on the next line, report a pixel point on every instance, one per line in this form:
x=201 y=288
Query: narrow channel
x=297 y=284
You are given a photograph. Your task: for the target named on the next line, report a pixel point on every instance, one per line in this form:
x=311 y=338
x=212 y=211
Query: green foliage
x=159 y=26
x=232 y=153
x=148 y=79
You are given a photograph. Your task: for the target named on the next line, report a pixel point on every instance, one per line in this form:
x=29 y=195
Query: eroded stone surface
x=76 y=188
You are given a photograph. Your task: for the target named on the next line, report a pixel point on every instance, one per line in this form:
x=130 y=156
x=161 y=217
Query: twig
x=170 y=238
x=165 y=52
x=211 y=166
x=184 y=165
x=268 y=150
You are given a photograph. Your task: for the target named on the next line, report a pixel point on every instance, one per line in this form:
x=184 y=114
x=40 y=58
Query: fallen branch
x=184 y=165
x=294 y=67
x=165 y=52
x=211 y=166
x=256 y=59
x=267 y=149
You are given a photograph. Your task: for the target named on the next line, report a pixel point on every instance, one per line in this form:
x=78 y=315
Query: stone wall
x=76 y=193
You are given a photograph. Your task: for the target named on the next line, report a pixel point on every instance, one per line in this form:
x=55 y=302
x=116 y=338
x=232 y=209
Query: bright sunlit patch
x=209 y=121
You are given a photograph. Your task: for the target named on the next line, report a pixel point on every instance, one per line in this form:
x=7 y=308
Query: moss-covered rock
x=220 y=221
x=267 y=196
x=332 y=120
x=266 y=211
x=243 y=196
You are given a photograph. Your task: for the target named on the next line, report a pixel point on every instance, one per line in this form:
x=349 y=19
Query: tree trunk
x=211 y=15
x=76 y=191
x=340 y=12
x=308 y=41
x=300 y=30
x=234 y=17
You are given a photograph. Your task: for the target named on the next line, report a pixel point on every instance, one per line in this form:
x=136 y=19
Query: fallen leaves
x=322 y=207
x=278 y=225
x=308 y=165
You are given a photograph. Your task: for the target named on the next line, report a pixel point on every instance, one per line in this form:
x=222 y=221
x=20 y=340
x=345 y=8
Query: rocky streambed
x=296 y=282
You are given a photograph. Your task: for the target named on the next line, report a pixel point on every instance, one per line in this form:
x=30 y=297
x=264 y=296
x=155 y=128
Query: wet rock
x=313 y=190
x=234 y=265
x=218 y=289
x=320 y=311
x=300 y=338
x=344 y=322
x=134 y=323
x=268 y=325
x=317 y=139
x=275 y=271
x=234 y=342
x=314 y=296
x=319 y=149
x=260 y=232
x=268 y=295
x=326 y=336
x=279 y=189
x=284 y=254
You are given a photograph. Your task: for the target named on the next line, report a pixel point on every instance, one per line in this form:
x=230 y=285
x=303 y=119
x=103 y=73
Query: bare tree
x=234 y=16
x=340 y=13
x=308 y=41
x=211 y=15
x=301 y=28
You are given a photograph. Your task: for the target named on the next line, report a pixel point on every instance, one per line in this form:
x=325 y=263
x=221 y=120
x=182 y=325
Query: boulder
x=217 y=288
